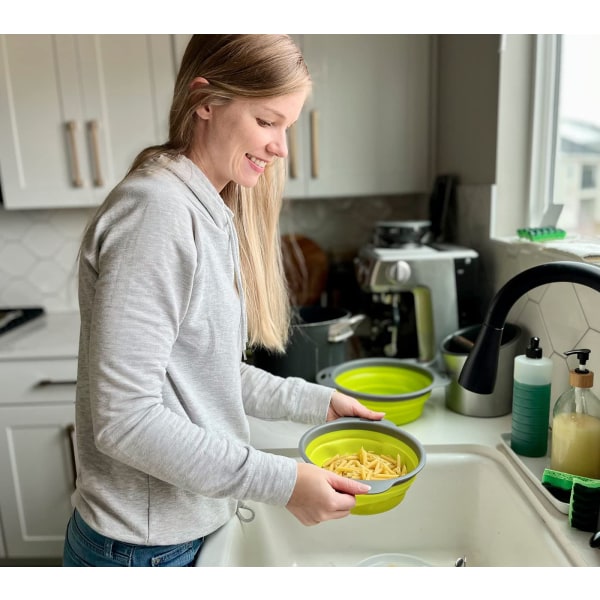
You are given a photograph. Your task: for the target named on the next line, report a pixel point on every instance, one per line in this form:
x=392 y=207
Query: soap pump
x=532 y=383
x=576 y=423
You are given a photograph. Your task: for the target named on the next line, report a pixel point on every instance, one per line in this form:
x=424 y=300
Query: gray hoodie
x=163 y=392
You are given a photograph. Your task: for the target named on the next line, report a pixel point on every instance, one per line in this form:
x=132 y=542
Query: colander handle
x=324 y=377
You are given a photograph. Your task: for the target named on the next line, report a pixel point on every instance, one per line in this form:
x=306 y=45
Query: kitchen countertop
x=437 y=425
x=56 y=336
x=440 y=426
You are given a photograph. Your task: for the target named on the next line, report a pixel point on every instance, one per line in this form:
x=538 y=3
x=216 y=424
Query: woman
x=180 y=270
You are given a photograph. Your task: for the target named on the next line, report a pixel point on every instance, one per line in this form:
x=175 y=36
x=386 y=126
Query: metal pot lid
x=393 y=234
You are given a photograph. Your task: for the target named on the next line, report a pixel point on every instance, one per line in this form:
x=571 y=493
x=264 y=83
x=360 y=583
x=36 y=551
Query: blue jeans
x=84 y=547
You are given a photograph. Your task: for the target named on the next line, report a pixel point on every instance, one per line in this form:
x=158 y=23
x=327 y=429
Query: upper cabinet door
x=74 y=112
x=366 y=129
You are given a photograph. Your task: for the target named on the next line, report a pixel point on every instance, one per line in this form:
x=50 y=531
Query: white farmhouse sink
x=468 y=501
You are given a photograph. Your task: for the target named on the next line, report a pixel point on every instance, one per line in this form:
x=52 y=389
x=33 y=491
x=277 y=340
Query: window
x=565 y=187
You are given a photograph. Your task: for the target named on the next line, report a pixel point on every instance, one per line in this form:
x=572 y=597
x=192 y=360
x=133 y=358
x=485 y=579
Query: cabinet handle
x=293 y=153
x=48 y=382
x=73 y=456
x=93 y=133
x=75 y=174
x=314 y=144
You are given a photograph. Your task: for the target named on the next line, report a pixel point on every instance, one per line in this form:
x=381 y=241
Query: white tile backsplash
x=38 y=251
x=38 y=248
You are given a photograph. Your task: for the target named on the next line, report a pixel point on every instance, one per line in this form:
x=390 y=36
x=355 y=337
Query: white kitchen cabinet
x=37 y=455
x=74 y=112
x=366 y=129
x=180 y=42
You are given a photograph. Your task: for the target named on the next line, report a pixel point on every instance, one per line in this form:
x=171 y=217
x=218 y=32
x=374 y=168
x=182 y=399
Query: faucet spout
x=479 y=371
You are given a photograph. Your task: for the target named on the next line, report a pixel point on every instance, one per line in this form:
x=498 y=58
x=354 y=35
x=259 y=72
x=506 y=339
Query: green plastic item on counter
x=541 y=234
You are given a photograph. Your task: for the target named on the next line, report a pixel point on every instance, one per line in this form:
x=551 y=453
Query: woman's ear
x=198 y=82
x=204 y=110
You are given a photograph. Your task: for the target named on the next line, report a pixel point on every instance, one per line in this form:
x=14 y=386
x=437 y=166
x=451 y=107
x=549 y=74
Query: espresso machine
x=415 y=292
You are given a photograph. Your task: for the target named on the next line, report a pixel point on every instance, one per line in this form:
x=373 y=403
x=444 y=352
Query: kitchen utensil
x=13 y=317
x=306 y=267
x=319 y=338
x=398 y=388
x=346 y=436
x=454 y=356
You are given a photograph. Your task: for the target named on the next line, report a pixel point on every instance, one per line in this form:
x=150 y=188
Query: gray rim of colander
x=383 y=426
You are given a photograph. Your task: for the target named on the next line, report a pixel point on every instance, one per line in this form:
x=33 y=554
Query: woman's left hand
x=342 y=405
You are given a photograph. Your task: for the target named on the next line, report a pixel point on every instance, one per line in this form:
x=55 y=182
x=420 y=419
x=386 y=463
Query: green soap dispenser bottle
x=532 y=380
x=576 y=424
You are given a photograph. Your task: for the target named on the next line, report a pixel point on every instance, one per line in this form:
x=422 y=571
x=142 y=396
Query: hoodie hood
x=206 y=194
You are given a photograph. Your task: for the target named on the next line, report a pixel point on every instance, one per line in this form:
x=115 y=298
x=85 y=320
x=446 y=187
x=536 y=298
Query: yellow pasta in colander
x=366 y=465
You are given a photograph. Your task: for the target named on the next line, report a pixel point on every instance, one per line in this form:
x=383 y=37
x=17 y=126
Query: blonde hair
x=243 y=66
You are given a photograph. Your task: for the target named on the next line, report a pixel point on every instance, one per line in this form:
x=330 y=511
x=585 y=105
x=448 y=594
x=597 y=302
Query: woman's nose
x=278 y=145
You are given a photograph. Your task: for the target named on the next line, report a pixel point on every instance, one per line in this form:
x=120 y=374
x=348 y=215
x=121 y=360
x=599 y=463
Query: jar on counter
x=576 y=424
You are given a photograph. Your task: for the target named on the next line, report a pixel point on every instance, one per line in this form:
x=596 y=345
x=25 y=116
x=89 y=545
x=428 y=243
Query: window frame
x=543 y=208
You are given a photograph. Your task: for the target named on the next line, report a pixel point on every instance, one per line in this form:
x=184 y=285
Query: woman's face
x=236 y=141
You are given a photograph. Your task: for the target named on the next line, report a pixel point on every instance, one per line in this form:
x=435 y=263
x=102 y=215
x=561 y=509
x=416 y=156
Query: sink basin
x=467 y=501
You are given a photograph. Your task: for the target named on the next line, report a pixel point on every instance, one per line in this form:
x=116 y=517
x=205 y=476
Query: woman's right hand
x=320 y=495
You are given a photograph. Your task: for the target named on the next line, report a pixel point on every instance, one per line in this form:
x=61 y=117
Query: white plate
x=392 y=559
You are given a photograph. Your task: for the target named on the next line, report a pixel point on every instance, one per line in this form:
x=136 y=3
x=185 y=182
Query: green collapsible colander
x=347 y=436
x=398 y=388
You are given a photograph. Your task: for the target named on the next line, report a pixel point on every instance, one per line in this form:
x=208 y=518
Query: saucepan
x=319 y=338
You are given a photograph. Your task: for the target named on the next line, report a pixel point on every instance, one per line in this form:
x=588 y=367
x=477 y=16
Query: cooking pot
x=397 y=387
x=454 y=351
x=318 y=339
x=395 y=234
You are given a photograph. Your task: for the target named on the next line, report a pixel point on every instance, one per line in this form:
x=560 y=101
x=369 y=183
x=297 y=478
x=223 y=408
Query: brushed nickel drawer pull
x=93 y=133
x=76 y=180
x=293 y=154
x=48 y=382
x=314 y=144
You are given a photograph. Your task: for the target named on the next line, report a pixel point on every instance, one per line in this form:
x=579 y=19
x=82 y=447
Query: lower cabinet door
x=36 y=478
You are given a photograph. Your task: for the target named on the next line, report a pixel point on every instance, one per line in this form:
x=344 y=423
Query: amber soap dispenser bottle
x=576 y=424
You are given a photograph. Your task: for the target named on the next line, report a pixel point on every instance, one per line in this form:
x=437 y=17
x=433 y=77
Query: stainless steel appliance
x=415 y=292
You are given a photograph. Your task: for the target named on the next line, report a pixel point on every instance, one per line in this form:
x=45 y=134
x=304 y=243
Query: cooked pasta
x=366 y=465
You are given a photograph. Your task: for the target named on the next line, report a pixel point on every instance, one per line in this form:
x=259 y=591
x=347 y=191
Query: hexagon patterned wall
x=38 y=251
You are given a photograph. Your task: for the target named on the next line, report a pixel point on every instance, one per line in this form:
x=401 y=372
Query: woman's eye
x=264 y=123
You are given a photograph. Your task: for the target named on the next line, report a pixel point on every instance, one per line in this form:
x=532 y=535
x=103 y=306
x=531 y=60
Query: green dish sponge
x=581 y=493
x=559 y=484
x=584 y=507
